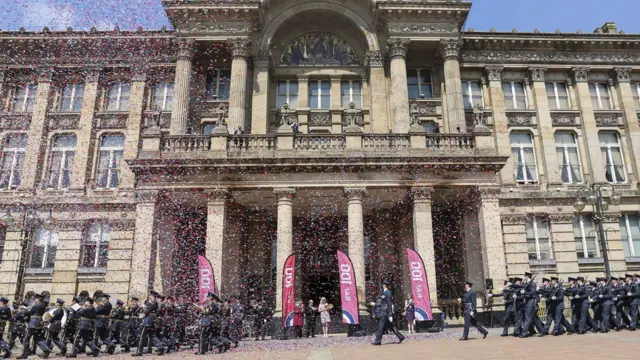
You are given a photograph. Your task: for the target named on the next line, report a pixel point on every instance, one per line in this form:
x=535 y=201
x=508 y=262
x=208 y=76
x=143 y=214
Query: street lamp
x=596 y=196
x=30 y=219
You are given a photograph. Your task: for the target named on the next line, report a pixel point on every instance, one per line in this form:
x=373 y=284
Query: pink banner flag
x=288 y=287
x=206 y=280
x=348 y=290
x=419 y=286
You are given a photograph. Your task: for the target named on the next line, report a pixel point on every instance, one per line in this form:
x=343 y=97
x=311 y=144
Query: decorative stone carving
x=122 y=225
x=622 y=74
x=64 y=122
x=514 y=219
x=70 y=225
x=489 y=193
x=147 y=196
x=45 y=75
x=450 y=48
x=262 y=60
x=418 y=28
x=139 y=73
x=374 y=59
x=398 y=47
x=354 y=193
x=520 y=120
x=285 y=193
x=239 y=47
x=607 y=120
x=217 y=195
x=303 y=78
x=14 y=122
x=561 y=218
x=113 y=122
x=611 y=218
x=222 y=27
x=422 y=193
x=538 y=73
x=320 y=118
x=185 y=49
x=287 y=115
x=563 y=119
x=611 y=57
x=352 y=118
x=580 y=73
x=422 y=108
x=494 y=72
x=92 y=74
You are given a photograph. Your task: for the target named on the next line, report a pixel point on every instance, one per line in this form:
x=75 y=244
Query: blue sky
x=504 y=15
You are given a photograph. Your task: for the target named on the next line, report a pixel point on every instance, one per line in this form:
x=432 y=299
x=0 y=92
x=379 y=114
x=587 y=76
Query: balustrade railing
x=450 y=141
x=319 y=142
x=386 y=142
x=452 y=309
x=185 y=143
x=251 y=143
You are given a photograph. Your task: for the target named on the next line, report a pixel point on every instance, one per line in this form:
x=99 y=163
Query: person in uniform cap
x=87 y=316
x=148 y=335
x=469 y=302
x=130 y=324
x=519 y=305
x=102 y=322
x=509 y=304
x=530 y=294
x=632 y=300
x=56 y=327
x=385 y=314
x=116 y=317
x=5 y=314
x=34 y=330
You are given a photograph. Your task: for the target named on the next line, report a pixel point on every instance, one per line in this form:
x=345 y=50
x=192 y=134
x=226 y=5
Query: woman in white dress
x=325 y=318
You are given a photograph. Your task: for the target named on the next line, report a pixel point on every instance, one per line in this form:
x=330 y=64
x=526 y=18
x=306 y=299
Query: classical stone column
x=500 y=123
x=134 y=125
x=493 y=258
x=356 y=241
x=545 y=124
x=260 y=102
x=450 y=51
x=622 y=76
x=182 y=86
x=239 y=49
x=590 y=130
x=423 y=237
x=378 y=92
x=216 y=228
x=33 y=157
x=142 y=246
x=398 y=48
x=85 y=134
x=284 y=237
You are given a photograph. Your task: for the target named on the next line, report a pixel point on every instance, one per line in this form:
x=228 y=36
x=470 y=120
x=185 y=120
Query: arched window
x=568 y=157
x=612 y=157
x=13 y=149
x=63 y=151
x=111 y=148
x=524 y=157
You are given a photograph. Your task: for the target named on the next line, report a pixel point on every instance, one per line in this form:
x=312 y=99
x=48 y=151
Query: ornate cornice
x=611 y=218
x=494 y=72
x=374 y=59
x=398 y=47
x=562 y=57
x=217 y=195
x=538 y=73
x=335 y=78
x=92 y=74
x=622 y=74
x=422 y=28
x=354 y=193
x=186 y=49
x=239 y=47
x=303 y=78
x=513 y=219
x=421 y=193
x=489 y=193
x=147 y=196
x=450 y=48
x=580 y=73
x=285 y=193
x=561 y=218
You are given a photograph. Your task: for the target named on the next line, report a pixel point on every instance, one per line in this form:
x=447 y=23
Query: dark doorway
x=449 y=250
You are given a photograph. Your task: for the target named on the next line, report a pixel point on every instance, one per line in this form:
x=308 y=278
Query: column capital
x=139 y=73
x=92 y=74
x=538 y=73
x=374 y=58
x=186 y=48
x=580 y=73
x=335 y=78
x=513 y=219
x=450 y=48
x=489 y=193
x=354 y=193
x=494 y=72
x=217 y=195
x=239 y=47
x=561 y=218
x=147 y=196
x=622 y=74
x=421 y=193
x=262 y=60
x=303 y=78
x=285 y=193
x=398 y=47
x=45 y=75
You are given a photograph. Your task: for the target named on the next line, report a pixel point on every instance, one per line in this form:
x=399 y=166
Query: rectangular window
x=630 y=230
x=351 y=92
x=600 y=96
x=524 y=157
x=558 y=96
x=636 y=95
x=287 y=94
x=111 y=148
x=72 y=98
x=218 y=84
x=118 y=96
x=13 y=149
x=419 y=84
x=95 y=245
x=538 y=239
x=320 y=94
x=612 y=157
x=584 y=232
x=24 y=98
x=63 y=150
x=43 y=249
x=568 y=157
x=515 y=95
x=472 y=94
x=163 y=96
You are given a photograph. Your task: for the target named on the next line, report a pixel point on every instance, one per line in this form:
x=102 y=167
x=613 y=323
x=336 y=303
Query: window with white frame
x=218 y=84
x=515 y=95
x=287 y=94
x=43 y=249
x=111 y=148
x=419 y=83
x=95 y=245
x=472 y=94
x=72 y=97
x=118 y=96
x=24 y=97
x=584 y=233
x=524 y=157
x=600 y=96
x=163 y=96
x=13 y=149
x=538 y=239
x=320 y=94
x=612 y=157
x=558 y=96
x=63 y=151
x=636 y=95
x=351 y=92
x=630 y=229
x=568 y=157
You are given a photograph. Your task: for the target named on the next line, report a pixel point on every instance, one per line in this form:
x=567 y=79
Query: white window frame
x=636 y=98
x=514 y=100
x=599 y=96
x=565 y=153
x=522 y=155
x=610 y=157
x=73 y=97
x=66 y=151
x=351 y=93
x=165 y=91
x=23 y=106
x=537 y=237
x=585 y=249
x=98 y=243
x=13 y=167
x=288 y=93
x=420 y=83
x=627 y=226
x=557 y=97
x=320 y=82
x=118 y=98
x=470 y=92
x=218 y=71
x=47 y=248
x=111 y=150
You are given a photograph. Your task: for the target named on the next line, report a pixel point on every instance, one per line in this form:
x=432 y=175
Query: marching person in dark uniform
x=572 y=292
x=148 y=335
x=310 y=316
x=130 y=325
x=5 y=315
x=55 y=328
x=632 y=300
x=619 y=293
x=18 y=324
x=34 y=330
x=206 y=324
x=5 y=349
x=520 y=304
x=168 y=324
x=509 y=305
x=180 y=314
x=237 y=315
x=117 y=318
x=384 y=314
x=587 y=300
x=87 y=316
x=70 y=327
x=469 y=301
x=554 y=297
x=531 y=307
x=102 y=322
x=606 y=299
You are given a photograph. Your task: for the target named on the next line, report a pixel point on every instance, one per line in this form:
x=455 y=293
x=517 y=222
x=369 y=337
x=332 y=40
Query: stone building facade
x=261 y=128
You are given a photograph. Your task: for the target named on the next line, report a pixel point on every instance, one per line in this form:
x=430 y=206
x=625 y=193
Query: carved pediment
x=319 y=49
